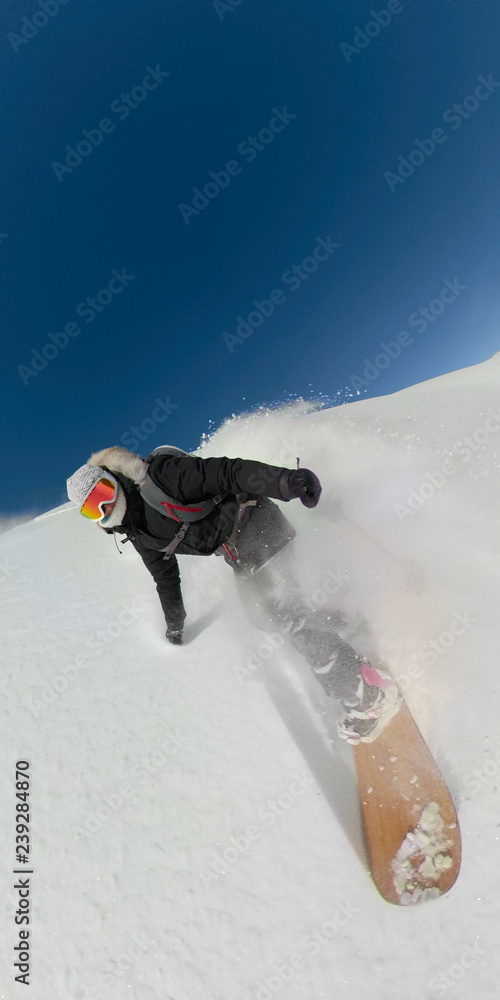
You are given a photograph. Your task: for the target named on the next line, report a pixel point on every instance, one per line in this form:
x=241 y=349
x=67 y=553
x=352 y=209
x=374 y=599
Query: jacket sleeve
x=191 y=478
x=168 y=585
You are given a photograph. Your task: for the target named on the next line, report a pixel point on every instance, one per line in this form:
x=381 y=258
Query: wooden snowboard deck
x=397 y=778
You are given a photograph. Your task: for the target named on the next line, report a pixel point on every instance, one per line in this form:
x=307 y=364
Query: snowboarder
x=173 y=502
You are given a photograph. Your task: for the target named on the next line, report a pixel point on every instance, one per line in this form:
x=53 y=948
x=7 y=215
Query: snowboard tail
x=410 y=825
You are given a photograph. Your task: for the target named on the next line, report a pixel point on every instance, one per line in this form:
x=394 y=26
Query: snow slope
x=194 y=827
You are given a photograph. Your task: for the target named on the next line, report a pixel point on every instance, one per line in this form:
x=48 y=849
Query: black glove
x=174 y=637
x=303 y=484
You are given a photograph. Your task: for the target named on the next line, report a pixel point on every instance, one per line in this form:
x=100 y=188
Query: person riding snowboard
x=172 y=503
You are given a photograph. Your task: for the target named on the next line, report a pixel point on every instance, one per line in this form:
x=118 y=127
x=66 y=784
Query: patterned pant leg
x=272 y=596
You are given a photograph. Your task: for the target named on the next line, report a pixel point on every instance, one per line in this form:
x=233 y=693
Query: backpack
x=189 y=513
x=170 y=506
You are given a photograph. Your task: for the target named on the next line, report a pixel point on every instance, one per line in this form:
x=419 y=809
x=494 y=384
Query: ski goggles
x=104 y=492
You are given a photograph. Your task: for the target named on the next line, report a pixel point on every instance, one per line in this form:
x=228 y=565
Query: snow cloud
x=466 y=448
x=8 y=521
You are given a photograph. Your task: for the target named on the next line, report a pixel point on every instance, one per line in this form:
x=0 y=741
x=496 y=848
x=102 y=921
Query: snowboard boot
x=375 y=703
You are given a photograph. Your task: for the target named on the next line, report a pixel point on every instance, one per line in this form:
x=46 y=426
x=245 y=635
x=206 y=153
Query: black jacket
x=190 y=479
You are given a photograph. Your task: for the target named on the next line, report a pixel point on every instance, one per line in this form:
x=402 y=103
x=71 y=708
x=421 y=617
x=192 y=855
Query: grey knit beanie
x=82 y=482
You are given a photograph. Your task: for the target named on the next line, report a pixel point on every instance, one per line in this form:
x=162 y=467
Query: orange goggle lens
x=104 y=492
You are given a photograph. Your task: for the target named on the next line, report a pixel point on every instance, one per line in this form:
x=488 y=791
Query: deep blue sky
x=322 y=176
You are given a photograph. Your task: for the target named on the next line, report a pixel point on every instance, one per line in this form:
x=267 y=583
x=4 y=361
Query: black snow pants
x=271 y=595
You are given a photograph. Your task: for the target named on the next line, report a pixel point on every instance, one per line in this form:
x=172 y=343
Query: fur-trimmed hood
x=118 y=459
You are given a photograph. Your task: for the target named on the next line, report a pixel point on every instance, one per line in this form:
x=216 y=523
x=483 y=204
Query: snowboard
x=410 y=826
